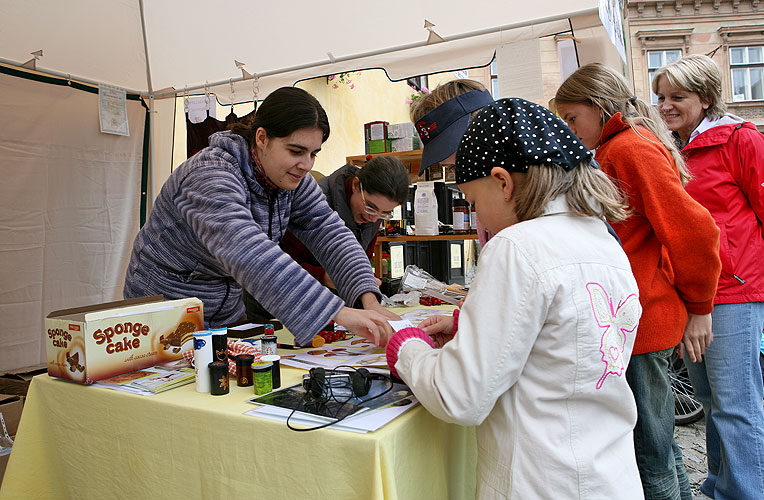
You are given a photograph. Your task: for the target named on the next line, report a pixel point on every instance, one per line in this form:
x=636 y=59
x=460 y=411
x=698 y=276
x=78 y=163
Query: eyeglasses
x=372 y=210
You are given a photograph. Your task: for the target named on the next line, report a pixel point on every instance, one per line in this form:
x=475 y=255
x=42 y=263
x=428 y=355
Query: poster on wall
x=112 y=110
x=612 y=20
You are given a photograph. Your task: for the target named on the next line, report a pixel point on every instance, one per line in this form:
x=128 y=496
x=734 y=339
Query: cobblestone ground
x=692 y=440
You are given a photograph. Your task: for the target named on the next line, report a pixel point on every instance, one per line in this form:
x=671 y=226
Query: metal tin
x=276 y=370
x=268 y=344
x=220 y=344
x=262 y=377
x=218 y=378
x=244 y=370
x=202 y=358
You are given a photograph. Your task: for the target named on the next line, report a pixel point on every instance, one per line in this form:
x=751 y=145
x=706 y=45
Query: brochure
x=148 y=381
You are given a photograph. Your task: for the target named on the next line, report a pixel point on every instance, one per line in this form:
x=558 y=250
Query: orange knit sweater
x=671 y=240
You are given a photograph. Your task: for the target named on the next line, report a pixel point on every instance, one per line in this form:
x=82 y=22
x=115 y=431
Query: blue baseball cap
x=442 y=128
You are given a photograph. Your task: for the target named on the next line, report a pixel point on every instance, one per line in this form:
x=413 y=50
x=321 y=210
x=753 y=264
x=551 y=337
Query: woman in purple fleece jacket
x=215 y=226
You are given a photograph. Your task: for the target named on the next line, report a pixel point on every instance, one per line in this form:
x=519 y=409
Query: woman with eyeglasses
x=214 y=229
x=362 y=197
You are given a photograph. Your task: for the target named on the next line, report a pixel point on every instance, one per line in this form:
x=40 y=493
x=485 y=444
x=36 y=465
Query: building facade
x=731 y=32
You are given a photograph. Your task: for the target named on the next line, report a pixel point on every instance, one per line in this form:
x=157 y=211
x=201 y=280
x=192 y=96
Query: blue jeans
x=728 y=383
x=659 y=458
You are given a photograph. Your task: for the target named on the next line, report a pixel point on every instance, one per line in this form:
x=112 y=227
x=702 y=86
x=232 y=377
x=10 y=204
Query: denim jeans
x=659 y=458
x=728 y=383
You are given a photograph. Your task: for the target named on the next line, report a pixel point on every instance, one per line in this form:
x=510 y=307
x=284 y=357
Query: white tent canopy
x=156 y=46
x=69 y=203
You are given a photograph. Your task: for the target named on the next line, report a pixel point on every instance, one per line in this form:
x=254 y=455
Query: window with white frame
x=747 y=66
x=657 y=59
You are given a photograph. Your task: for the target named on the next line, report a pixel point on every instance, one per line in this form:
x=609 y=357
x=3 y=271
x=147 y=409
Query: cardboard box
x=401 y=130
x=406 y=144
x=96 y=342
x=375 y=137
x=17 y=381
x=10 y=408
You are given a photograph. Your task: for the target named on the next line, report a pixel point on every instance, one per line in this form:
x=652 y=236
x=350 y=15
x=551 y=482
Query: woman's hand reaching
x=368 y=324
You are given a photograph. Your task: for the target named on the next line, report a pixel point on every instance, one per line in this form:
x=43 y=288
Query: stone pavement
x=692 y=440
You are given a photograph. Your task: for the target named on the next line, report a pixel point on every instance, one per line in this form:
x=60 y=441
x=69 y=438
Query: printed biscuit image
x=74 y=362
x=178 y=337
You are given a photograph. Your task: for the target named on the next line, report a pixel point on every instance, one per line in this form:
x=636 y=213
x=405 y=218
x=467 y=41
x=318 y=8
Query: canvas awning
x=158 y=47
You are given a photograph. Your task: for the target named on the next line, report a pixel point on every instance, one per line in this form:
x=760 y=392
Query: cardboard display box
x=100 y=341
x=10 y=408
x=17 y=381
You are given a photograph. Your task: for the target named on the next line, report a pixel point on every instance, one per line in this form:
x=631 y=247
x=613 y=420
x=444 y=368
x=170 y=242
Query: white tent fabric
x=70 y=194
x=190 y=42
x=69 y=208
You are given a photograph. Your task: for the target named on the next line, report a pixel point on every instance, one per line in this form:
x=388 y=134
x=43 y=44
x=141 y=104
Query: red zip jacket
x=727 y=164
x=670 y=239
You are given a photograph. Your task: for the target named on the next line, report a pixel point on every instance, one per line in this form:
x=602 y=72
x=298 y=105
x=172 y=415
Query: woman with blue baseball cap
x=442 y=116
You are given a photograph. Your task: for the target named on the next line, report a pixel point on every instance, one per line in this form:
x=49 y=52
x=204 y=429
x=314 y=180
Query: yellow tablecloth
x=85 y=442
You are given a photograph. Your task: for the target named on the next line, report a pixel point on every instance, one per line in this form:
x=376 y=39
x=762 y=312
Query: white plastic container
x=202 y=358
x=425 y=209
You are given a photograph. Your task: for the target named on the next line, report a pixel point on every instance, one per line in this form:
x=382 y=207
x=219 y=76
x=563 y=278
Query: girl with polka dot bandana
x=536 y=357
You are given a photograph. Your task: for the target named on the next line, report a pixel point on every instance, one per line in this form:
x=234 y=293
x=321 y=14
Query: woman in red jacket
x=672 y=244
x=726 y=158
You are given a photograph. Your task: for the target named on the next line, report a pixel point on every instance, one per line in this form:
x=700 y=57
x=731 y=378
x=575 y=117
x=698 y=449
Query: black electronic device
x=323 y=384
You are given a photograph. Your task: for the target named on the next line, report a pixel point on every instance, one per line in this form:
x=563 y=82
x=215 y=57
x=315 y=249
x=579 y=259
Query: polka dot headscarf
x=514 y=134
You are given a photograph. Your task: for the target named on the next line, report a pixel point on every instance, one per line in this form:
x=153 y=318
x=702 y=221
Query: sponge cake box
x=100 y=341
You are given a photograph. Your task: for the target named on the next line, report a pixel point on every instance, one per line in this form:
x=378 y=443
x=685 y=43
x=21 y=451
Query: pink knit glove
x=401 y=338
x=456 y=320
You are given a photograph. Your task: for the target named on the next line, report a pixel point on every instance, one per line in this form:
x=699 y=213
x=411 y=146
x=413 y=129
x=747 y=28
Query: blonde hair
x=596 y=84
x=588 y=191
x=696 y=73
x=440 y=94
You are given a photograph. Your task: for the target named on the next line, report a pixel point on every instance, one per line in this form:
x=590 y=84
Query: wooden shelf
x=410 y=159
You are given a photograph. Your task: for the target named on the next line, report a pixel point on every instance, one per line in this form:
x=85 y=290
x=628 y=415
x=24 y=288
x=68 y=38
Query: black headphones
x=358 y=380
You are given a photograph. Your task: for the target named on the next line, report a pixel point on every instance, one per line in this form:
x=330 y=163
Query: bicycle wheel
x=687 y=409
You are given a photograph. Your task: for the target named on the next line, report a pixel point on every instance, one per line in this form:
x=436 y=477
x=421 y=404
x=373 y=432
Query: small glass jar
x=461 y=217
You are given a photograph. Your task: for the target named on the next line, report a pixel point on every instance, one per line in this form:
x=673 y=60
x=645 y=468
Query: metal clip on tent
x=233 y=93
x=255 y=90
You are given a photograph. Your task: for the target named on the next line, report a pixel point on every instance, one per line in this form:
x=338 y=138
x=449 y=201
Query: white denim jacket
x=538 y=363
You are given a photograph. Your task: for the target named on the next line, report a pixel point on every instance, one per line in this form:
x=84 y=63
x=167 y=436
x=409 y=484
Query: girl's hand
x=697 y=336
x=440 y=329
x=370 y=325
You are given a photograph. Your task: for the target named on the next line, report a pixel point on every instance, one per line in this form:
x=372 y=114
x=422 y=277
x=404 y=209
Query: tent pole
x=487 y=31
x=67 y=76
x=152 y=111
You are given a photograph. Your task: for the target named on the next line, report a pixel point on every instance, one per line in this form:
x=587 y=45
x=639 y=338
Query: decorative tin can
x=262 y=377
x=202 y=358
x=220 y=344
x=276 y=370
x=218 y=378
x=244 y=370
x=268 y=343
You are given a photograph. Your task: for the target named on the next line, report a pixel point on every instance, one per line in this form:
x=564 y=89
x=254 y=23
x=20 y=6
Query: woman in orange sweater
x=672 y=243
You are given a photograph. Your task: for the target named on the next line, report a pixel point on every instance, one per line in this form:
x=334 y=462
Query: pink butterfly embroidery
x=617 y=323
